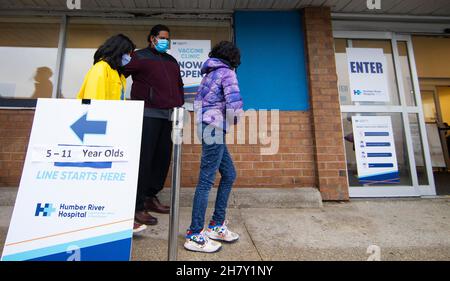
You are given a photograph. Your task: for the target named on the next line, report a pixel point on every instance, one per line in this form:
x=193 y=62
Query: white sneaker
x=201 y=243
x=137 y=227
x=222 y=233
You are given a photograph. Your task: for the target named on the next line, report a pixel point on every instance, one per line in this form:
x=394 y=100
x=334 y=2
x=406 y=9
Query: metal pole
x=177 y=137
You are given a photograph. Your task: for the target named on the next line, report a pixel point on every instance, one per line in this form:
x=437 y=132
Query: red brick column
x=329 y=152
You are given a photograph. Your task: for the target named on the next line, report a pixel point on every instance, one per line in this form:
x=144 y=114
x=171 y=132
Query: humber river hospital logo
x=72 y=211
x=357 y=92
x=45 y=210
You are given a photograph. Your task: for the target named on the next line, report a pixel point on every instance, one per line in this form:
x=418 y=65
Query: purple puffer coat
x=218 y=96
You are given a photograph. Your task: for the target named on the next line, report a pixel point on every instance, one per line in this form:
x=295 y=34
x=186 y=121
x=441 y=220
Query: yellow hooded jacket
x=103 y=83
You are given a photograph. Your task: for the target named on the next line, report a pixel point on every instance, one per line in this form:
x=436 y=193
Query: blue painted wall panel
x=273 y=70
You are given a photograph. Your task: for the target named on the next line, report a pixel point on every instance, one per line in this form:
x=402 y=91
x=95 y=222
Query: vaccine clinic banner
x=375 y=150
x=77 y=194
x=190 y=54
x=367 y=73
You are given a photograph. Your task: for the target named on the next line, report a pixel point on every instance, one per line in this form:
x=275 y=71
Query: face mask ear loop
x=152 y=41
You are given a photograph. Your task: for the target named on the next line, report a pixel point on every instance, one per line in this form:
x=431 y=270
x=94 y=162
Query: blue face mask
x=126 y=58
x=162 y=45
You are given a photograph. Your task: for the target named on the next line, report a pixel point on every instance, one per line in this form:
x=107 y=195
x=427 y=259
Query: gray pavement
x=404 y=229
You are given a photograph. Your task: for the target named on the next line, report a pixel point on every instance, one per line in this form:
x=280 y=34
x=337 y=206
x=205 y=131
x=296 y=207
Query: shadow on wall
x=43 y=86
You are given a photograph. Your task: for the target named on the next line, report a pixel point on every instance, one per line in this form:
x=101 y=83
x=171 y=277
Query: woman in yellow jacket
x=105 y=80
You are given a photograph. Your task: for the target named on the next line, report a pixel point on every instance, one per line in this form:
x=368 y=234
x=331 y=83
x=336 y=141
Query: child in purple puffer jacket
x=218 y=105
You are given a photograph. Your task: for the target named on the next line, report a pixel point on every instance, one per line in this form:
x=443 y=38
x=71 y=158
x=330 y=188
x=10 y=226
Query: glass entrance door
x=436 y=107
x=383 y=123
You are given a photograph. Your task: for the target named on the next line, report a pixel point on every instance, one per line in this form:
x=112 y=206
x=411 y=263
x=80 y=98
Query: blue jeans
x=215 y=156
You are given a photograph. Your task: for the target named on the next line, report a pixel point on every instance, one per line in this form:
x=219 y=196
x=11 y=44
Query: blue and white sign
x=367 y=74
x=375 y=150
x=77 y=193
x=190 y=54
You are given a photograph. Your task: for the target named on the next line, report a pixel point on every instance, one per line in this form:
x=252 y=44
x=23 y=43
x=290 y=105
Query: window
x=85 y=36
x=28 y=52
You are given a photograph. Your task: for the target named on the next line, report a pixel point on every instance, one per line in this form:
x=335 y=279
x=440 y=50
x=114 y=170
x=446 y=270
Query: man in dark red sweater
x=157 y=81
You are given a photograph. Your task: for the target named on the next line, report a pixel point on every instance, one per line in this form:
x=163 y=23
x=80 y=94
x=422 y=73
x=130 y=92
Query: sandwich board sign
x=77 y=193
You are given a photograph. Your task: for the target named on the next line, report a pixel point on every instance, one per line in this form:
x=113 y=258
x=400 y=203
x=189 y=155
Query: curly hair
x=227 y=51
x=113 y=49
x=156 y=30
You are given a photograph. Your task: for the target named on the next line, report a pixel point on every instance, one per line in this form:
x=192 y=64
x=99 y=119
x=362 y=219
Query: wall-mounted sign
x=190 y=54
x=77 y=194
x=367 y=73
x=375 y=150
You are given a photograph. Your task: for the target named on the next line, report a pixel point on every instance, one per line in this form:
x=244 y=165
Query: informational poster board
x=435 y=146
x=367 y=74
x=77 y=193
x=375 y=150
x=190 y=54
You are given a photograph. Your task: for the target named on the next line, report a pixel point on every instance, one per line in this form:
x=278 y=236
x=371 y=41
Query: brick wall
x=325 y=112
x=292 y=166
x=15 y=129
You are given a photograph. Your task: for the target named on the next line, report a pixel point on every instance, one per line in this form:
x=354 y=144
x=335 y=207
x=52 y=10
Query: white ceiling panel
x=261 y=4
x=204 y=4
x=105 y=3
x=406 y=6
x=229 y=4
x=217 y=4
x=285 y=4
x=388 y=7
x=241 y=4
x=184 y=5
x=167 y=4
x=431 y=6
x=113 y=3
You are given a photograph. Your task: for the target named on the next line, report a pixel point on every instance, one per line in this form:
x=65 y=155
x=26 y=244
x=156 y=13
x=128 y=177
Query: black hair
x=156 y=30
x=113 y=49
x=227 y=51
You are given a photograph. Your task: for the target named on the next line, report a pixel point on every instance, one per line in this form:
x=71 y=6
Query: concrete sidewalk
x=404 y=229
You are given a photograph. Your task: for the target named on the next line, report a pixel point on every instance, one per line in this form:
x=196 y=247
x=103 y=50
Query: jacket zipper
x=167 y=76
